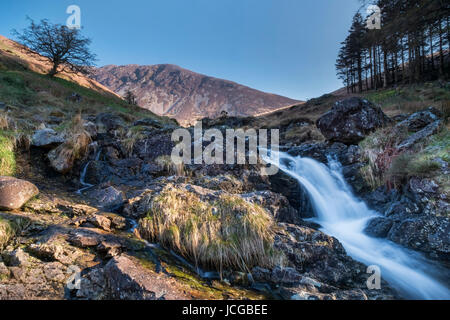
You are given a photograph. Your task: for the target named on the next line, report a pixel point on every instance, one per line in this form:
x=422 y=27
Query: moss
x=197 y=287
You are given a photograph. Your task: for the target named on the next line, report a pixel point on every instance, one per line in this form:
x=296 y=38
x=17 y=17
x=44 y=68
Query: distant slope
x=185 y=95
x=13 y=56
x=32 y=98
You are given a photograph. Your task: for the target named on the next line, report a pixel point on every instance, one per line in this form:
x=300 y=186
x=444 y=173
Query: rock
x=4 y=271
x=285 y=276
x=109 y=121
x=429 y=130
x=350 y=120
x=110 y=248
x=152 y=146
x=423 y=186
x=427 y=234
x=100 y=221
x=98 y=172
x=61 y=160
x=110 y=199
x=126 y=279
x=276 y=204
x=90 y=128
x=289 y=187
x=148 y=122
x=419 y=120
x=108 y=221
x=74 y=97
x=403 y=207
x=400 y=117
x=323 y=151
x=85 y=239
x=47 y=138
x=321 y=256
x=14 y=193
x=16 y=258
x=378 y=227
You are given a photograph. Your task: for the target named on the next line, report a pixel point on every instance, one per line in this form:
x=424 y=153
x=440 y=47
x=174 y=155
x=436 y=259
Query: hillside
x=185 y=95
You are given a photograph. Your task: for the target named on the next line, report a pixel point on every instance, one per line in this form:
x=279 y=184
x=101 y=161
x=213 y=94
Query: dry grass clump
x=226 y=233
x=10 y=227
x=7 y=232
x=169 y=166
x=75 y=147
x=131 y=136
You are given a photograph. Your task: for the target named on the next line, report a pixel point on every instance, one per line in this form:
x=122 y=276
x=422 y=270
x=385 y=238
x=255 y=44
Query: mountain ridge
x=185 y=95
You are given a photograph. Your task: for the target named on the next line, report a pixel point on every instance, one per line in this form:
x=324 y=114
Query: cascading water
x=83 y=182
x=343 y=216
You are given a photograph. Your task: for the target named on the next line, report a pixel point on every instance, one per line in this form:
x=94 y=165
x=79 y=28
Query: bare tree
x=66 y=49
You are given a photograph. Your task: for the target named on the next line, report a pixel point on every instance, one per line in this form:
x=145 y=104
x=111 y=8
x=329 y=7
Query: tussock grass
x=224 y=233
x=7 y=232
x=76 y=145
x=169 y=166
x=131 y=136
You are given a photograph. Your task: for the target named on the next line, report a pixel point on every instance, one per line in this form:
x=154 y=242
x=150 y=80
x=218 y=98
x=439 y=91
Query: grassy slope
x=32 y=98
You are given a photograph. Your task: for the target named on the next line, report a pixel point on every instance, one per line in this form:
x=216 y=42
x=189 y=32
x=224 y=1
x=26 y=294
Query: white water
x=343 y=216
x=83 y=182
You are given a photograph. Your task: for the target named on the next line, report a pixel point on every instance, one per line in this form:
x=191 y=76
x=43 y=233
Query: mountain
x=185 y=95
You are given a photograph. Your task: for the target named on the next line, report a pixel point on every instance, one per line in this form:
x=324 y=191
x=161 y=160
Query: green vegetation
x=388 y=165
x=7 y=157
x=7 y=232
x=31 y=91
x=412 y=98
x=225 y=233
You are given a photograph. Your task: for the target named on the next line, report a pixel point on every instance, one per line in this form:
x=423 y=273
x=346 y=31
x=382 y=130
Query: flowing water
x=343 y=216
x=85 y=185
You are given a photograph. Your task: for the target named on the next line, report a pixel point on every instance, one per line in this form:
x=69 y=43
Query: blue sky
x=287 y=47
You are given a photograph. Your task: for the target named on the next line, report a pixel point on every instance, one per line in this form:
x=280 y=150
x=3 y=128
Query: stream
x=343 y=216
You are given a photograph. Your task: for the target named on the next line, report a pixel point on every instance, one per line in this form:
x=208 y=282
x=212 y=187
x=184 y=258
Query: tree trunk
x=441 y=51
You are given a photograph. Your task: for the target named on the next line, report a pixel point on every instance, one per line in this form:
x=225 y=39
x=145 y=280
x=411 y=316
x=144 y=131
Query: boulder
x=378 y=227
x=276 y=204
x=321 y=256
x=127 y=279
x=323 y=151
x=148 y=122
x=419 y=120
x=350 y=120
x=430 y=235
x=90 y=128
x=60 y=159
x=429 y=130
x=110 y=199
x=14 y=193
x=289 y=187
x=46 y=138
x=109 y=121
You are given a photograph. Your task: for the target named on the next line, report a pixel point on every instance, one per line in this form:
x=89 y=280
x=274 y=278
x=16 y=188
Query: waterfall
x=83 y=182
x=343 y=216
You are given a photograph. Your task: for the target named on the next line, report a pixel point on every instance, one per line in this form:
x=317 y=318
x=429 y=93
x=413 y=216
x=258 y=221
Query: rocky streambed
x=94 y=231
